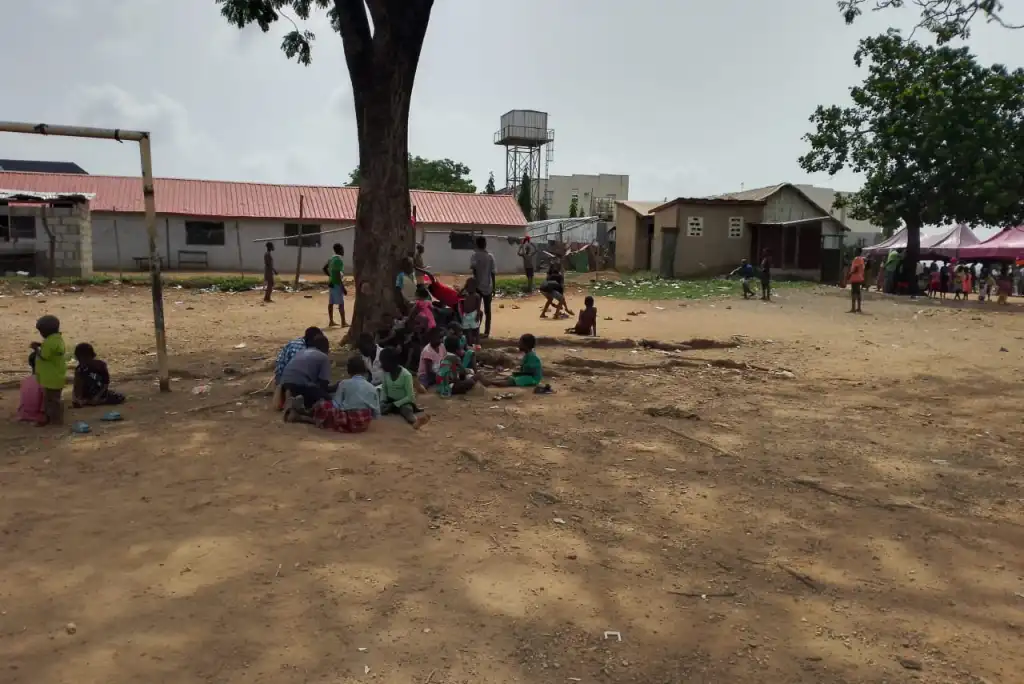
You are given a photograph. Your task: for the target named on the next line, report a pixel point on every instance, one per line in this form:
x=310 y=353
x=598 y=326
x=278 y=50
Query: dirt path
x=842 y=504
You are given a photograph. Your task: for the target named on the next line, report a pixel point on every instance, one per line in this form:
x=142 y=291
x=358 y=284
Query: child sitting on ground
x=530 y=373
x=469 y=311
x=92 y=380
x=467 y=354
x=370 y=351
x=451 y=376
x=51 y=368
x=307 y=378
x=355 y=404
x=587 y=323
x=399 y=395
x=430 y=358
x=30 y=406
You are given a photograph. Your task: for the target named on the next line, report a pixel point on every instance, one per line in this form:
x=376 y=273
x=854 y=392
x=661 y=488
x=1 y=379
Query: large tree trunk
x=912 y=254
x=382 y=66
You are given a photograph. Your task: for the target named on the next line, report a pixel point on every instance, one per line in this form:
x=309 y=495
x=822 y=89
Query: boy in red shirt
x=856 y=280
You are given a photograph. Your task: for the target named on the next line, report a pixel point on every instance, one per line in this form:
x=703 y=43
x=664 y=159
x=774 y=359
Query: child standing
x=51 y=368
x=469 y=310
x=30 y=406
x=968 y=282
x=355 y=404
x=451 y=376
x=399 y=395
x=587 y=323
x=268 y=273
x=933 y=281
x=92 y=380
x=1005 y=286
x=423 y=307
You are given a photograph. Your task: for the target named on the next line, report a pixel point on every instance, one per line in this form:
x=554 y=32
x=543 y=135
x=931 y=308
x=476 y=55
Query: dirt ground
x=838 y=498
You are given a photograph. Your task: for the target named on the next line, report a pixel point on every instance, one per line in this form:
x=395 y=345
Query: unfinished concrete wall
x=71 y=227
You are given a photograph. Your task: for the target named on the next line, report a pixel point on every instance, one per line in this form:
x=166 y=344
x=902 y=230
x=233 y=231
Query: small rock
x=544 y=497
x=70 y=628
x=1003 y=349
x=571 y=556
x=910 y=663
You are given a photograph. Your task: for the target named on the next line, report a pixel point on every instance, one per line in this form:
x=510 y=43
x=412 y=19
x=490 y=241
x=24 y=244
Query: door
x=669 y=240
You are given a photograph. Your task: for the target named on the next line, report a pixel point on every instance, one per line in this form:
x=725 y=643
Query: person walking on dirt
x=766 y=276
x=746 y=272
x=856 y=280
x=482 y=265
x=268 y=272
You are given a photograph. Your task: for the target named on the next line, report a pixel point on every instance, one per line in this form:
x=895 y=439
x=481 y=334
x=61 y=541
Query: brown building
x=694 y=236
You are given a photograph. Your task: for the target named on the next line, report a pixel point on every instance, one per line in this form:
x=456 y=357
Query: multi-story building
x=595 y=194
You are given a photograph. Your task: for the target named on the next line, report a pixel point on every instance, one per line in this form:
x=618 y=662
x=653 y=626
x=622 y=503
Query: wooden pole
x=322 y=232
x=156 y=282
x=238 y=240
x=117 y=246
x=298 y=258
x=141 y=137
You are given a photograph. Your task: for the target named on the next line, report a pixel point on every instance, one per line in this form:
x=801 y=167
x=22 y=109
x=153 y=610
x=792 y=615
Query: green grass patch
x=510 y=286
x=654 y=287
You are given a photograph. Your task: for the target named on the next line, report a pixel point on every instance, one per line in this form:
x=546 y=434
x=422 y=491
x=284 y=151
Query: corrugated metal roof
x=642 y=208
x=754 y=194
x=826 y=198
x=229 y=199
x=29 y=196
x=35 y=166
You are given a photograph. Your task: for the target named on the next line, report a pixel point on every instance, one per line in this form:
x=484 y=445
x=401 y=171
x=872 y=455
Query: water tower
x=525 y=135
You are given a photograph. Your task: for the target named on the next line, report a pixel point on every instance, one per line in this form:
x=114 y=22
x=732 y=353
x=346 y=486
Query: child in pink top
x=30 y=408
x=424 y=307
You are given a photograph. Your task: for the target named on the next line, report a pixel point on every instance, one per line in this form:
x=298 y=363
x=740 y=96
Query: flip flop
x=81 y=428
x=111 y=416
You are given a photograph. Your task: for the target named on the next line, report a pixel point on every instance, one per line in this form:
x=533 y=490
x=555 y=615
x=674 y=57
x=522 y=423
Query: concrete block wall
x=72 y=232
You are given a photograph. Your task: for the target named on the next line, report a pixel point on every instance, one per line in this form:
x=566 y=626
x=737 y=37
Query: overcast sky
x=686 y=98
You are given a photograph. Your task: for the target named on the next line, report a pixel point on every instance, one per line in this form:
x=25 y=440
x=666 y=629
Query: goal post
x=149 y=201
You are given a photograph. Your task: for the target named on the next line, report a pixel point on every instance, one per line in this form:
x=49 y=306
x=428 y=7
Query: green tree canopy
x=431 y=174
x=938 y=137
x=489 y=189
x=526 y=197
x=541 y=213
x=574 y=208
x=946 y=19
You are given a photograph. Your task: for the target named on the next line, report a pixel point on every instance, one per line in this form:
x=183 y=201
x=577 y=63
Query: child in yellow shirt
x=51 y=368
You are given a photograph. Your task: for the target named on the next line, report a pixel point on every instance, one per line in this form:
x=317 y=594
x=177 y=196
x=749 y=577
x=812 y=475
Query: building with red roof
x=213 y=224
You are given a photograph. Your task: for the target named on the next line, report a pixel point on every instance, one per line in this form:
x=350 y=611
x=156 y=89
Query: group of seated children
x=41 y=400
x=380 y=380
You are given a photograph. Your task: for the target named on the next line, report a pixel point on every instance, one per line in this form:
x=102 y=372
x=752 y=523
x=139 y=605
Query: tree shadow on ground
x=506 y=538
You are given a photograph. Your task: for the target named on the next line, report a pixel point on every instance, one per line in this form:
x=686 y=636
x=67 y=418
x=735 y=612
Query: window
x=695 y=226
x=24 y=227
x=575 y=196
x=204 y=233
x=462 y=240
x=292 y=230
x=735 y=226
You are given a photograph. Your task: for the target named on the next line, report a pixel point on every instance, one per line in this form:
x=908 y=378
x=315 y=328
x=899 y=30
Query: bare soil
x=827 y=498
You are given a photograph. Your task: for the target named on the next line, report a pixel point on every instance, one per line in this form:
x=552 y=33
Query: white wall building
x=595 y=194
x=211 y=225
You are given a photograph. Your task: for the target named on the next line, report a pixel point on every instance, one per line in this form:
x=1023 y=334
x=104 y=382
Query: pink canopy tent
x=951 y=245
x=1007 y=245
x=897 y=241
x=946 y=245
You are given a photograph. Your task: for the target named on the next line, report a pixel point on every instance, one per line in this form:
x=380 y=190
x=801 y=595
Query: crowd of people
x=41 y=398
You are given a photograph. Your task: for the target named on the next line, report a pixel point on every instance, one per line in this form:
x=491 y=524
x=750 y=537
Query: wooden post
x=238 y=240
x=298 y=258
x=156 y=282
x=52 y=266
x=117 y=246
